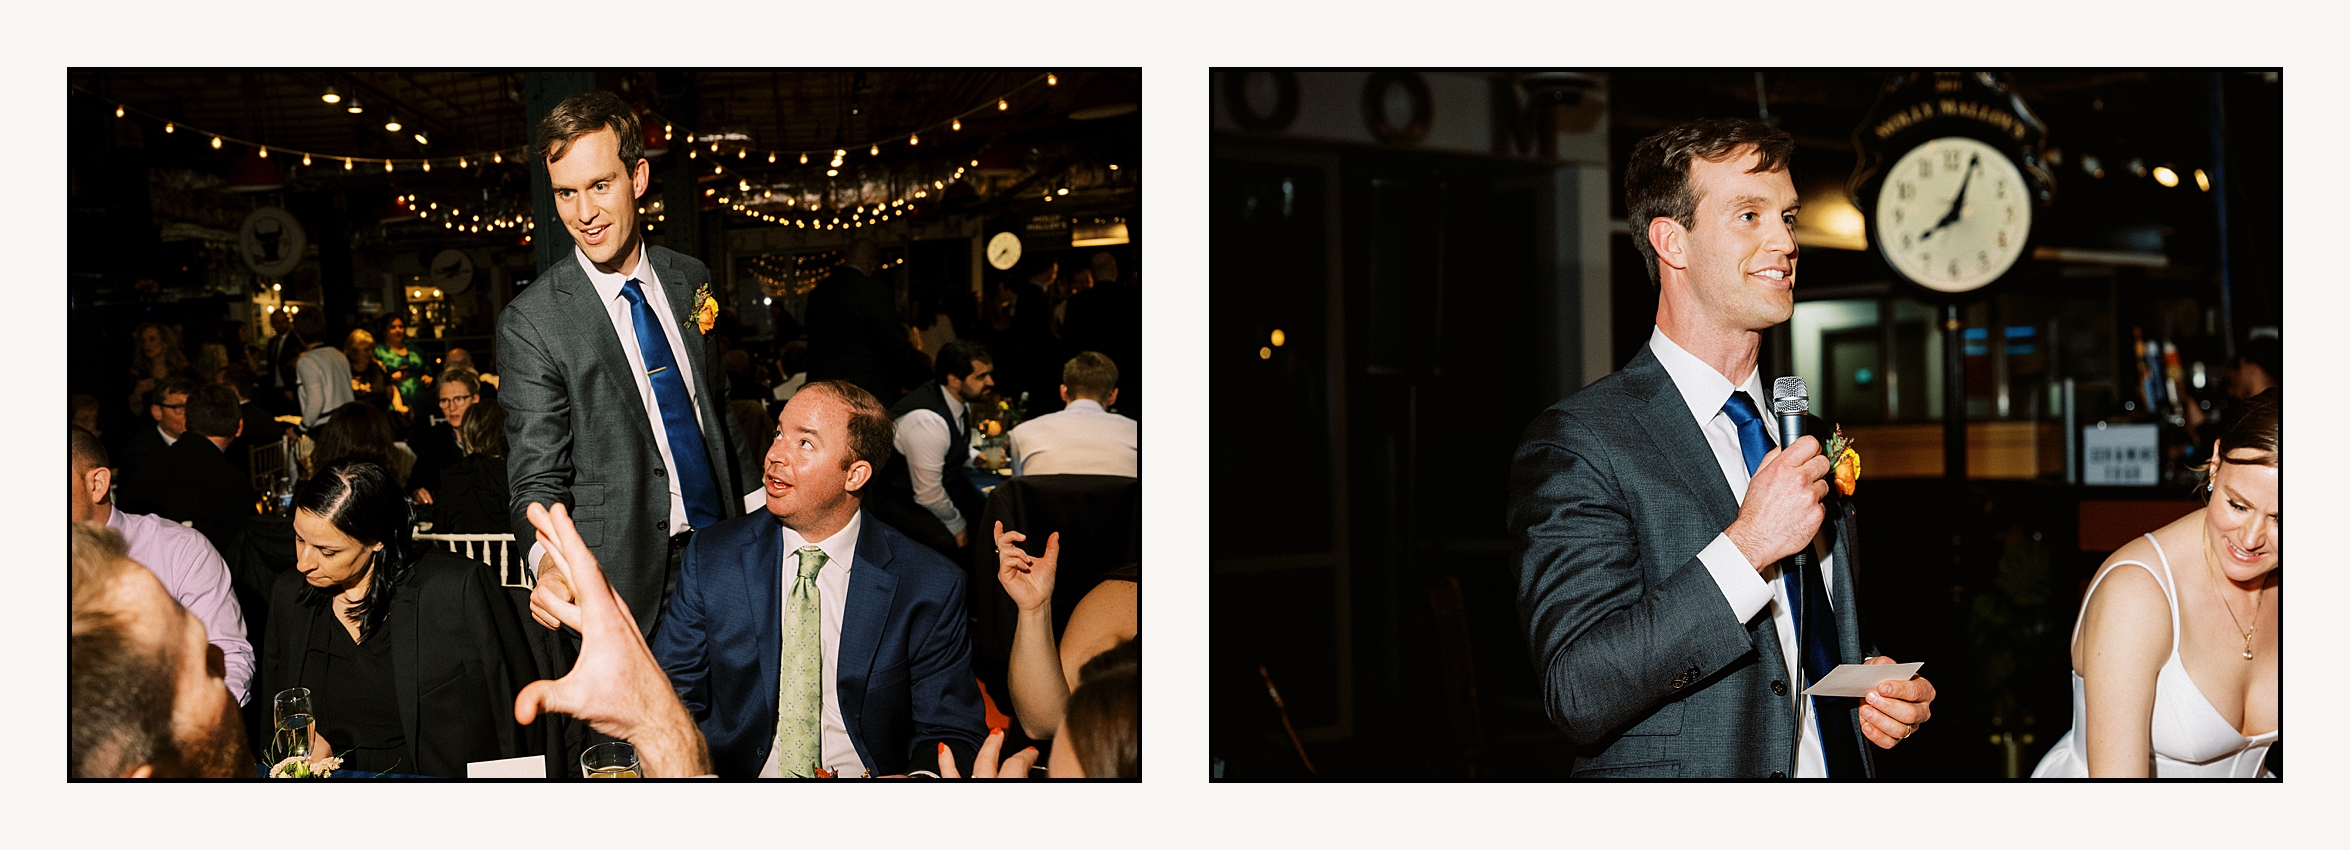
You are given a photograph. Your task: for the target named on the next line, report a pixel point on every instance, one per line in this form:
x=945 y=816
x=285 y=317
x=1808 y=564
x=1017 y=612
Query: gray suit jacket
x=1613 y=491
x=577 y=432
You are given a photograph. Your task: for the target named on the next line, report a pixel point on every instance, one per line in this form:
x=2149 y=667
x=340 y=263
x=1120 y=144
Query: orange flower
x=1847 y=471
x=706 y=313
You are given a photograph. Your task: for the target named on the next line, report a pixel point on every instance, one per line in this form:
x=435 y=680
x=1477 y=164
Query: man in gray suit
x=614 y=398
x=1656 y=522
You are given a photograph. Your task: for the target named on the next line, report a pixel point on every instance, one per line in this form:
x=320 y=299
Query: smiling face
x=1738 y=258
x=395 y=332
x=809 y=474
x=326 y=556
x=2241 y=522
x=596 y=196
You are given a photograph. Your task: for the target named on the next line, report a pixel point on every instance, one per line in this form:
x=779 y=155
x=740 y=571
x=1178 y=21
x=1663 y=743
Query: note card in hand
x=1852 y=680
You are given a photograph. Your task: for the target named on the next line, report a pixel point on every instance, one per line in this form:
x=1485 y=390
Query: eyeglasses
x=179 y=406
x=455 y=399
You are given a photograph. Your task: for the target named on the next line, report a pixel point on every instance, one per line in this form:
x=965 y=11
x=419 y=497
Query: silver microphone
x=1790 y=399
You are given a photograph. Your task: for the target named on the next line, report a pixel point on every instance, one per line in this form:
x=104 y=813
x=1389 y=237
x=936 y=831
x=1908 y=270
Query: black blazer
x=458 y=659
x=192 y=481
x=1613 y=492
x=577 y=432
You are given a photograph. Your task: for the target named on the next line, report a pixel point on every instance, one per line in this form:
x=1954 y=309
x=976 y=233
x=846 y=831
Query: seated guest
x=261 y=429
x=144 y=696
x=459 y=358
x=474 y=497
x=193 y=480
x=1039 y=674
x=167 y=408
x=360 y=430
x=436 y=444
x=369 y=382
x=412 y=655
x=780 y=684
x=84 y=412
x=1085 y=438
x=922 y=490
x=1101 y=737
x=187 y=564
x=322 y=377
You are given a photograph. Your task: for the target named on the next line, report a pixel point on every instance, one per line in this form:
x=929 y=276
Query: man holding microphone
x=1657 y=521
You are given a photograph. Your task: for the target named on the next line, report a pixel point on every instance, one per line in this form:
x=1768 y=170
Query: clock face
x=1003 y=251
x=1952 y=214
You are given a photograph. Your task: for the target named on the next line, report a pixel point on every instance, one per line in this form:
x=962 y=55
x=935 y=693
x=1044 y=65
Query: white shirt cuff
x=1741 y=585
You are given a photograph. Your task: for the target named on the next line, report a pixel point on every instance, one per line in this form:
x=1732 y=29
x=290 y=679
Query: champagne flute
x=294 y=720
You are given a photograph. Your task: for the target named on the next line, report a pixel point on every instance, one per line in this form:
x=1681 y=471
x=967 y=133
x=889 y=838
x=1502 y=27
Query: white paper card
x=525 y=767
x=1853 y=680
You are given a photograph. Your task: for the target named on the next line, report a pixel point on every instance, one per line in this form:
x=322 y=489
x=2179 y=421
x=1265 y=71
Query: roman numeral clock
x=1950 y=168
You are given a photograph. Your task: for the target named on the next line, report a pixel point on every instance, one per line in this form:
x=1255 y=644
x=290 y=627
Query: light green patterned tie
x=800 y=703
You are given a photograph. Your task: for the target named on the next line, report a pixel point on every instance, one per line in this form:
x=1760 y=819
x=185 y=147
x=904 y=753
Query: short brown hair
x=1656 y=178
x=1090 y=374
x=584 y=113
x=870 y=430
x=120 y=689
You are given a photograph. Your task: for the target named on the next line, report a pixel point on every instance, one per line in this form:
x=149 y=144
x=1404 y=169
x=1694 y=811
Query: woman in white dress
x=2175 y=656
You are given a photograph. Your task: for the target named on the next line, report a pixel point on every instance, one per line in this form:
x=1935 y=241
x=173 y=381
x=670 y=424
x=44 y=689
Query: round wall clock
x=1003 y=251
x=1952 y=214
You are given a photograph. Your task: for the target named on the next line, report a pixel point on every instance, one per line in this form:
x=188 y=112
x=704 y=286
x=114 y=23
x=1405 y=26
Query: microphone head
x=1790 y=395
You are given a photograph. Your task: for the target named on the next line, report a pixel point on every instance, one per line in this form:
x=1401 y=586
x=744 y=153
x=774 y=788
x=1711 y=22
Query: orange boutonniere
x=1846 y=460
x=705 y=309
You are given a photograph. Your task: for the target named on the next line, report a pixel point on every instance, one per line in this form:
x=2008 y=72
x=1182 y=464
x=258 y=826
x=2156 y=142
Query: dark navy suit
x=905 y=682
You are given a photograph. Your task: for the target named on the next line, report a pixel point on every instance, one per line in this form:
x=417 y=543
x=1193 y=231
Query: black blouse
x=351 y=687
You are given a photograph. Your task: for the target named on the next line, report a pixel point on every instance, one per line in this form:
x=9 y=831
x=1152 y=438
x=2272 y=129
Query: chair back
x=266 y=461
x=496 y=550
x=1099 y=518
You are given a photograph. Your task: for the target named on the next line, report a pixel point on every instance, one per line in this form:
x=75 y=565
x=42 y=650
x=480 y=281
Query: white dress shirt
x=617 y=309
x=1083 y=439
x=922 y=437
x=1705 y=391
x=832 y=597
x=168 y=440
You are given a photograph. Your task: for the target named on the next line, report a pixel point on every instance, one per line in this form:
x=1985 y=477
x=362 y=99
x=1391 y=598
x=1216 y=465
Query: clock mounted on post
x=1951 y=168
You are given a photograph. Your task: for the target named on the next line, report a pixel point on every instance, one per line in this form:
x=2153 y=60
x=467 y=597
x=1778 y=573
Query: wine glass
x=610 y=760
x=293 y=715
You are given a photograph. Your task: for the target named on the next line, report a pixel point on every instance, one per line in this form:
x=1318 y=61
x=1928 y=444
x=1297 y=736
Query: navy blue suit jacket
x=905 y=681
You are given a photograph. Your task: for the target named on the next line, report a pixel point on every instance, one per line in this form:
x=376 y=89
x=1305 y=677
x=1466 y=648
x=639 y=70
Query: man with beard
x=148 y=695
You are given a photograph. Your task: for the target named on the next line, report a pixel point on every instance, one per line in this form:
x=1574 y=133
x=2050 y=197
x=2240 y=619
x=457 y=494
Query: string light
x=501 y=158
x=264 y=153
x=167 y=126
x=346 y=163
x=305 y=159
x=803 y=159
x=387 y=166
x=118 y=112
x=1001 y=105
x=1051 y=80
x=958 y=125
x=914 y=139
x=427 y=166
x=742 y=154
x=770 y=158
x=216 y=143
x=877 y=149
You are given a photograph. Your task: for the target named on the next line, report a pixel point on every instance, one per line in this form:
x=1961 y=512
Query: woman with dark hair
x=403 y=366
x=1101 y=736
x=413 y=656
x=2175 y=663
x=359 y=430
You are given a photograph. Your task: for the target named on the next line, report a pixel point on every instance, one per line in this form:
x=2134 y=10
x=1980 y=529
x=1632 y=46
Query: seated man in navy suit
x=811 y=639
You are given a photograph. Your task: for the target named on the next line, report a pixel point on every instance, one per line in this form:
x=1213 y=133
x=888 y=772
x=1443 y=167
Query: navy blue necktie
x=704 y=507
x=1808 y=607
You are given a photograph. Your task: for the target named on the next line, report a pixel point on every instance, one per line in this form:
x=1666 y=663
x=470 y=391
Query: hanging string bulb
x=914 y=139
x=216 y=143
x=461 y=162
x=118 y=112
x=1051 y=80
x=346 y=163
x=1001 y=105
x=876 y=149
x=167 y=126
x=770 y=157
x=742 y=154
x=427 y=166
x=264 y=153
x=958 y=125
x=387 y=166
x=498 y=157
x=305 y=159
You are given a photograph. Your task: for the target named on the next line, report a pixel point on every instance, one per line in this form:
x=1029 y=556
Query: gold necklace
x=2223 y=601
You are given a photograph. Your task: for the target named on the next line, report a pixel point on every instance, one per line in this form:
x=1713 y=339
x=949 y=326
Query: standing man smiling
x=611 y=386
x=1655 y=518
